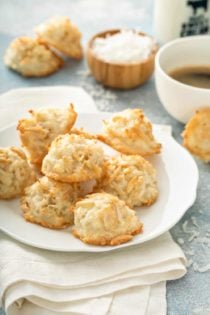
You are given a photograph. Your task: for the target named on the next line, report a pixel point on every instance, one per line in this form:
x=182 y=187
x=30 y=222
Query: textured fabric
x=116 y=282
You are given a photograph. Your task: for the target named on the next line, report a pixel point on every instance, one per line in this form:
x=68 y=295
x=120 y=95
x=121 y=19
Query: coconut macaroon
x=130 y=178
x=196 y=136
x=49 y=203
x=130 y=132
x=82 y=132
x=45 y=124
x=74 y=158
x=62 y=34
x=30 y=58
x=103 y=219
x=15 y=173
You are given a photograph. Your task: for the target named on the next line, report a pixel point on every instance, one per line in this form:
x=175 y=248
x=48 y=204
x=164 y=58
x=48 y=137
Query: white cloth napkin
x=121 y=282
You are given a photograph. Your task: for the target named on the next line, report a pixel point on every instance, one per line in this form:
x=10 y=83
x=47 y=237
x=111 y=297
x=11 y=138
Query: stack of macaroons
x=67 y=160
x=41 y=56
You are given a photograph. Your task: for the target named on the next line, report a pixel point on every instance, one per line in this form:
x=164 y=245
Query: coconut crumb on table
x=194 y=221
x=201 y=269
x=104 y=98
x=195 y=243
x=180 y=241
x=189 y=263
x=84 y=73
x=204 y=240
x=194 y=235
x=185 y=227
x=200 y=311
x=190 y=252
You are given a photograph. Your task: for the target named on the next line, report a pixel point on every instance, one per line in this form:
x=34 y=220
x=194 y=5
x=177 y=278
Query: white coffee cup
x=181 y=100
x=180 y=18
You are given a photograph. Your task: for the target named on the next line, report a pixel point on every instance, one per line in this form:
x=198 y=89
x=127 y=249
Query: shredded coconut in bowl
x=127 y=46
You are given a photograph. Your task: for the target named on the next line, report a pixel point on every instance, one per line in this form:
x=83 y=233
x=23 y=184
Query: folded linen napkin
x=127 y=281
x=35 y=281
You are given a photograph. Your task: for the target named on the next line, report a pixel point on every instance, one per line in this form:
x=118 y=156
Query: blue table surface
x=191 y=294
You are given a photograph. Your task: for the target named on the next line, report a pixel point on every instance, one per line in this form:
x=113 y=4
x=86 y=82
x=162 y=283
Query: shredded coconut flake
x=189 y=263
x=198 y=311
x=85 y=73
x=180 y=241
x=201 y=311
x=190 y=252
x=201 y=268
x=194 y=235
x=185 y=228
x=194 y=221
x=204 y=240
x=104 y=98
x=126 y=46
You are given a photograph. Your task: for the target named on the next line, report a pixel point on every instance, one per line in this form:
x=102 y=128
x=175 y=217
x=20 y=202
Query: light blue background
x=191 y=294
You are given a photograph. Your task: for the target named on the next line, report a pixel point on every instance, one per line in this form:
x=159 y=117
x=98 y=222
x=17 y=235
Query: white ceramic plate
x=177 y=180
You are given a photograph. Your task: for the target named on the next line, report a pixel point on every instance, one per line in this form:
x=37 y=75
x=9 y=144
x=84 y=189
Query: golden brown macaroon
x=62 y=34
x=74 y=158
x=31 y=58
x=130 y=132
x=15 y=173
x=45 y=124
x=131 y=178
x=196 y=136
x=103 y=219
x=82 y=132
x=49 y=203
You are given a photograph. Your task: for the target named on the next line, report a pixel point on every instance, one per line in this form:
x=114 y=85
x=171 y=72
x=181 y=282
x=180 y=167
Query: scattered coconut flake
x=198 y=311
x=201 y=311
x=204 y=240
x=180 y=241
x=110 y=96
x=85 y=73
x=208 y=234
x=104 y=98
x=185 y=228
x=194 y=235
x=194 y=221
x=189 y=263
x=200 y=211
x=190 y=252
x=201 y=268
x=195 y=266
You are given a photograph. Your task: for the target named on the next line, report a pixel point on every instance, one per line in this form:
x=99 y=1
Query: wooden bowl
x=122 y=75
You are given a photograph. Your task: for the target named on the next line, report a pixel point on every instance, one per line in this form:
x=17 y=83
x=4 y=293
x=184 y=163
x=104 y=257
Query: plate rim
x=122 y=246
